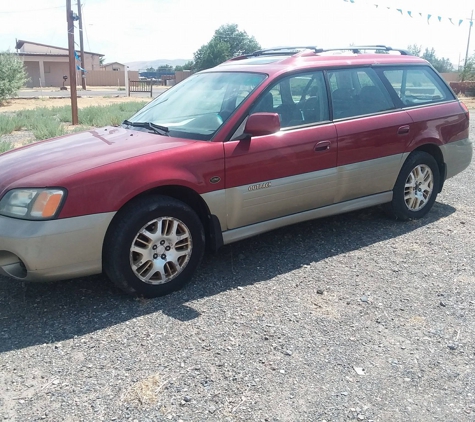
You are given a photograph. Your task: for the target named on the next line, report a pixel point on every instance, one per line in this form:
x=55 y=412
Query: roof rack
x=291 y=50
x=356 y=49
x=275 y=51
x=282 y=50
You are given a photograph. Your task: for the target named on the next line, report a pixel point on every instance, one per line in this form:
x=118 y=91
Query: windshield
x=197 y=107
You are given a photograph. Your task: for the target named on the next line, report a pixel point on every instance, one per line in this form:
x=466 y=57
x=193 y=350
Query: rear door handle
x=322 y=146
x=403 y=130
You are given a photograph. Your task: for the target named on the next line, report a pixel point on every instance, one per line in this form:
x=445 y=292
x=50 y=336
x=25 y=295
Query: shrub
x=464 y=88
x=5 y=146
x=12 y=75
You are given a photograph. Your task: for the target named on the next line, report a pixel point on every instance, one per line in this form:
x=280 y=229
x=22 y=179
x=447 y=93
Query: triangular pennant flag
x=76 y=55
x=399 y=10
x=80 y=68
x=420 y=14
x=428 y=17
x=471 y=23
x=409 y=13
x=460 y=22
x=450 y=19
x=439 y=17
x=377 y=5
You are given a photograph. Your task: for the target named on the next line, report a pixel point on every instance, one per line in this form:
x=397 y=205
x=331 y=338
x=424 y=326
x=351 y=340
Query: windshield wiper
x=161 y=130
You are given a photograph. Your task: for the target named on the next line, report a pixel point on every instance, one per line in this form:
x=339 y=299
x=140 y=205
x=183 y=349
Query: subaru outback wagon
x=262 y=141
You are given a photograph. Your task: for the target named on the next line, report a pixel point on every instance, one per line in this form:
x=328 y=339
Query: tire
x=153 y=246
x=416 y=187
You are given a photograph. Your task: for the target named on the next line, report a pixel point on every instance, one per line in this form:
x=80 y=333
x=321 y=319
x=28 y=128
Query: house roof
x=108 y=64
x=20 y=43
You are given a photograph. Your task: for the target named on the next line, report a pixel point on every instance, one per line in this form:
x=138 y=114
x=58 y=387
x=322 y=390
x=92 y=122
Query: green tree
x=165 y=67
x=150 y=69
x=441 y=64
x=468 y=71
x=12 y=75
x=415 y=49
x=227 y=42
x=187 y=66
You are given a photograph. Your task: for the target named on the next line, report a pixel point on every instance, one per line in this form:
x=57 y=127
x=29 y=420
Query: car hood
x=47 y=162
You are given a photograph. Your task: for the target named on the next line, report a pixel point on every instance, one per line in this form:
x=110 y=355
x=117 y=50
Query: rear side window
x=356 y=92
x=417 y=85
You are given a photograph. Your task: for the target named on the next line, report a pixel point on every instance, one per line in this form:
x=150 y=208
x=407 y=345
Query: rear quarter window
x=417 y=85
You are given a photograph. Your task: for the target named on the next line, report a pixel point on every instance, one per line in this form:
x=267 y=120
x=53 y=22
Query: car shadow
x=39 y=313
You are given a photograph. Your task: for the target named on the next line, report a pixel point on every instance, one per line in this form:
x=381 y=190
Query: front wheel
x=416 y=187
x=153 y=246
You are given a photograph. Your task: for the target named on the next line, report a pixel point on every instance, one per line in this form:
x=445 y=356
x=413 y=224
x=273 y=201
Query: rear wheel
x=416 y=187
x=154 y=246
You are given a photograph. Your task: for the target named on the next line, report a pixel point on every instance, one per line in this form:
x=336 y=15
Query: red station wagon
x=262 y=141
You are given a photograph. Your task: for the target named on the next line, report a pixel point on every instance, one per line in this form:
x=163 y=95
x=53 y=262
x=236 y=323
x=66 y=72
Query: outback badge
x=259 y=186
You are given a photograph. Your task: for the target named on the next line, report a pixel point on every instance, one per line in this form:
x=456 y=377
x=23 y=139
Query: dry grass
x=16 y=104
x=145 y=392
x=469 y=102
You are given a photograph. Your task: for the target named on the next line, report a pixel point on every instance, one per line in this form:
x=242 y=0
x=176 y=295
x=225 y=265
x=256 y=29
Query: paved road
x=88 y=93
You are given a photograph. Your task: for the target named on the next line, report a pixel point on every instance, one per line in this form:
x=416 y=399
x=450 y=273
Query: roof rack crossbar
x=285 y=51
x=356 y=49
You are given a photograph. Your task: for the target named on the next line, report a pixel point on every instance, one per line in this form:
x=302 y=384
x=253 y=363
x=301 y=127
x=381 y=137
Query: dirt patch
x=469 y=102
x=18 y=138
x=17 y=104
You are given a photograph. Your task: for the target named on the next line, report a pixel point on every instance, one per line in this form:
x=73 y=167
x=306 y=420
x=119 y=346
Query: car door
x=290 y=171
x=372 y=133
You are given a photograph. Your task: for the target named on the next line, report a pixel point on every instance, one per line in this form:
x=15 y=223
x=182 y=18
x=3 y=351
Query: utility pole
x=81 y=46
x=72 y=63
x=468 y=46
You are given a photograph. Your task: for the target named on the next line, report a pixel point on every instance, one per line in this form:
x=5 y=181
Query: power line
x=85 y=26
x=31 y=10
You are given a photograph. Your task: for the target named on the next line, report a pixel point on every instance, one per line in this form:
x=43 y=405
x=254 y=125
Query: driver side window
x=299 y=99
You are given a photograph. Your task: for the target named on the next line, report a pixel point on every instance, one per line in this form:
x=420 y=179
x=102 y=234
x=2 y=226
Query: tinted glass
x=417 y=85
x=357 y=91
x=298 y=99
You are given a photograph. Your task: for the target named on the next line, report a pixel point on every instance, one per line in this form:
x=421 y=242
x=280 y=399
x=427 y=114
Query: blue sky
x=126 y=30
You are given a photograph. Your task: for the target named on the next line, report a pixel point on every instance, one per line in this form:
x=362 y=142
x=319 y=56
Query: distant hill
x=142 y=65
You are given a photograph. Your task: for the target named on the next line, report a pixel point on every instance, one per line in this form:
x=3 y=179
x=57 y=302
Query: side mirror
x=259 y=124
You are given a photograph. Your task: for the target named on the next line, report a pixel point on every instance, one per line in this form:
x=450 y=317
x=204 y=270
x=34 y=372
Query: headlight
x=32 y=204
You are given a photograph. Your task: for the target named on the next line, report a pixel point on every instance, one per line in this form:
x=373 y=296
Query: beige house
x=46 y=64
x=114 y=66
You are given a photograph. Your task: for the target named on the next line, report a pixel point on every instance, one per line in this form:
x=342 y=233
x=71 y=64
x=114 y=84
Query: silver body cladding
x=317 y=194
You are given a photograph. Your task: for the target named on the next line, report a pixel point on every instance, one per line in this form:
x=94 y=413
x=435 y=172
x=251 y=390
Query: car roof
x=281 y=59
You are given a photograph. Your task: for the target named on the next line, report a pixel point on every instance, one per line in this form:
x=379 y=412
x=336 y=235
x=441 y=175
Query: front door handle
x=403 y=130
x=322 y=146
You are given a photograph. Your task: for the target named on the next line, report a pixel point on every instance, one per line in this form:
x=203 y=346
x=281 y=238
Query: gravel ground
x=354 y=317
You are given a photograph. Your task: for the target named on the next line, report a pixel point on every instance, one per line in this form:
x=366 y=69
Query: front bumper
x=54 y=249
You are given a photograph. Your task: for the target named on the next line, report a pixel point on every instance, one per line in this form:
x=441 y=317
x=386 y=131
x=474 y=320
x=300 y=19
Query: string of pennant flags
x=76 y=56
x=427 y=16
